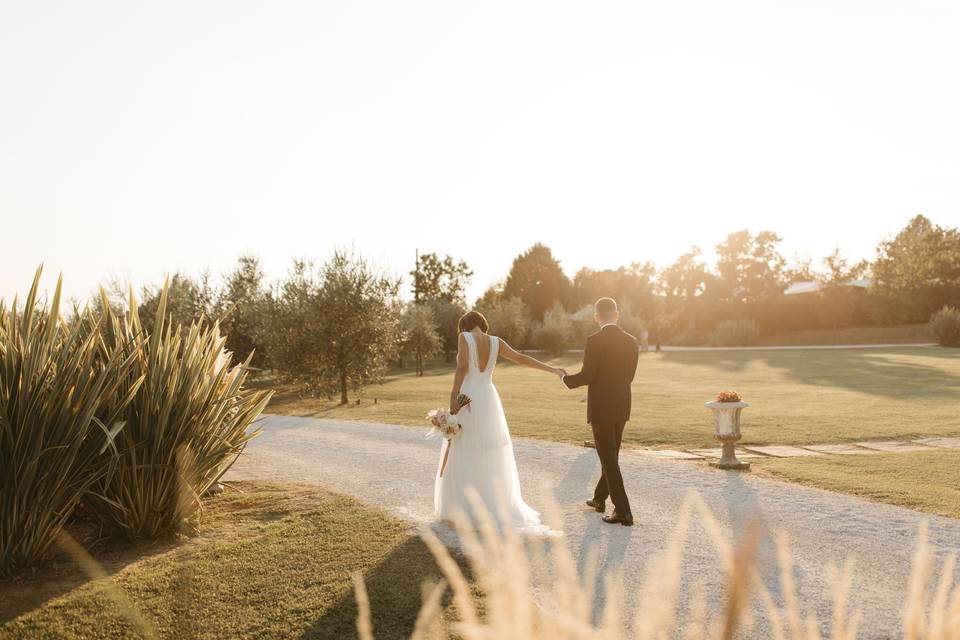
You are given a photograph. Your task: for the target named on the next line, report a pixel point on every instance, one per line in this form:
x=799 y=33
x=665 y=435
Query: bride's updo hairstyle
x=471 y=320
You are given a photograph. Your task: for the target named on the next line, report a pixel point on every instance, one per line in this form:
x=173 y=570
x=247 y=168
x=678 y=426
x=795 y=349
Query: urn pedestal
x=726 y=422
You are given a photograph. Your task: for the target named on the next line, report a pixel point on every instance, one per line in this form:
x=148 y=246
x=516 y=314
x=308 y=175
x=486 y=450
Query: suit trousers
x=608 y=437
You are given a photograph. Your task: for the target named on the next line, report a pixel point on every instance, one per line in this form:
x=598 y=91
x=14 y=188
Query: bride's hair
x=471 y=320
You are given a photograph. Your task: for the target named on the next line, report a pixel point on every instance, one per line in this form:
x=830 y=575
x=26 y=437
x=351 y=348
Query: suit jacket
x=609 y=364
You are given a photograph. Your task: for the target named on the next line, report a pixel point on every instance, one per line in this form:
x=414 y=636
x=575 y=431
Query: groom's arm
x=587 y=372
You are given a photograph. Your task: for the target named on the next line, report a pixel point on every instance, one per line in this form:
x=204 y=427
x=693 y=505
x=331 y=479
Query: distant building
x=813 y=286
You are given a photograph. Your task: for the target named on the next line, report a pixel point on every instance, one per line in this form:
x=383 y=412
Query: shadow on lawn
x=896 y=373
x=27 y=591
x=395 y=598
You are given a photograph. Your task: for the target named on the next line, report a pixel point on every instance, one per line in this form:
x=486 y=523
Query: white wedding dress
x=481 y=456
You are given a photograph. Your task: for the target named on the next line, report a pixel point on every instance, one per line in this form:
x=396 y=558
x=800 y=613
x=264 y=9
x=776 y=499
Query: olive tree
x=336 y=329
x=420 y=336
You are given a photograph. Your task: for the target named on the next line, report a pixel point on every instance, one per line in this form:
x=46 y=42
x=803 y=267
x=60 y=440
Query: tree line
x=335 y=327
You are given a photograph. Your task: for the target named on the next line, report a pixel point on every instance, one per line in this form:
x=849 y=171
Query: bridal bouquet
x=445 y=423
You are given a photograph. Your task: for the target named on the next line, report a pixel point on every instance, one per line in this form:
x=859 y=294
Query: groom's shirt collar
x=607 y=324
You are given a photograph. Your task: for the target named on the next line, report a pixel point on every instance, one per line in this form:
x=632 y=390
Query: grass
x=927 y=481
x=272 y=561
x=893 y=334
x=796 y=397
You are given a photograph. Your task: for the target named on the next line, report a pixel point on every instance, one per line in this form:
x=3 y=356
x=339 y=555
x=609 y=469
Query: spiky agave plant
x=61 y=396
x=185 y=427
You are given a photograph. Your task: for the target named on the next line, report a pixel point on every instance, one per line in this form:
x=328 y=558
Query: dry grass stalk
x=95 y=571
x=502 y=564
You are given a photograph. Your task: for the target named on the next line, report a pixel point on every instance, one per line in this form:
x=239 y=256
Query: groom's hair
x=471 y=320
x=605 y=307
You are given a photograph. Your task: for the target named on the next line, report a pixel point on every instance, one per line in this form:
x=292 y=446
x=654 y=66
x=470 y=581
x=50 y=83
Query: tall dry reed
x=562 y=607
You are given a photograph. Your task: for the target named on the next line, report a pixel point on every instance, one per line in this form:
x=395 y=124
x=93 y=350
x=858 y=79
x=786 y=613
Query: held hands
x=559 y=372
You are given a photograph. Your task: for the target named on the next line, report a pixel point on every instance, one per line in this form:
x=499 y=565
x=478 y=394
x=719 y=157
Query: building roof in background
x=812 y=286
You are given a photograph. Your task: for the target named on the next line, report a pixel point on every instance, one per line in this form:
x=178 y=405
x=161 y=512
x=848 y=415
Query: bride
x=481 y=457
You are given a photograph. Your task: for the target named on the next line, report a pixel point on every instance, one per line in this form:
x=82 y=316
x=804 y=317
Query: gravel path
x=787 y=347
x=394 y=467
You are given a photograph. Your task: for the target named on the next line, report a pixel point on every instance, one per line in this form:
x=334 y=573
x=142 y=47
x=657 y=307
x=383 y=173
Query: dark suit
x=609 y=364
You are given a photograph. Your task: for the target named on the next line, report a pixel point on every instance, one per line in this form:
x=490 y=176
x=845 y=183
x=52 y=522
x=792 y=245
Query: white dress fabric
x=481 y=456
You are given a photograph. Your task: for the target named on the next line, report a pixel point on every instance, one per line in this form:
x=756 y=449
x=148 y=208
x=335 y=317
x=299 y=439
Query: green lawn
x=274 y=561
x=881 y=334
x=796 y=397
x=925 y=481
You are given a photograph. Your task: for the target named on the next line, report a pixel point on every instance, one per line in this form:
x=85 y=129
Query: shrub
x=583 y=323
x=510 y=320
x=631 y=323
x=946 y=326
x=735 y=333
x=689 y=338
x=185 y=425
x=555 y=332
x=60 y=395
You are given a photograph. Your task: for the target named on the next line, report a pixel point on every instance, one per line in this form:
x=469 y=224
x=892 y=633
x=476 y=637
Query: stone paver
x=669 y=454
x=790 y=451
x=840 y=449
x=716 y=453
x=940 y=443
x=782 y=451
x=892 y=446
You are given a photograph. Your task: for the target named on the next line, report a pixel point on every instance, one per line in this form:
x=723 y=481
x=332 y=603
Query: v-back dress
x=481 y=456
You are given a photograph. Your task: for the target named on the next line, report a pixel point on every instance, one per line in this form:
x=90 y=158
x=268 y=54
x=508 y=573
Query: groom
x=609 y=364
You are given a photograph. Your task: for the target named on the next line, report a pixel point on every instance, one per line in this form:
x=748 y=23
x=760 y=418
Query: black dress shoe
x=616 y=518
x=599 y=507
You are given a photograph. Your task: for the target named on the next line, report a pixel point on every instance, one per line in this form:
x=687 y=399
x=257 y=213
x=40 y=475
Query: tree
x=490 y=297
x=537 y=279
x=800 y=270
x=916 y=273
x=296 y=313
x=509 y=319
x=187 y=301
x=555 y=332
x=440 y=279
x=632 y=285
x=751 y=279
x=336 y=331
x=420 y=336
x=751 y=268
x=683 y=286
x=441 y=284
x=686 y=278
x=840 y=303
x=240 y=307
x=446 y=314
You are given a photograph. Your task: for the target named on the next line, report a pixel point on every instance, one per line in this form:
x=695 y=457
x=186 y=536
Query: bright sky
x=142 y=138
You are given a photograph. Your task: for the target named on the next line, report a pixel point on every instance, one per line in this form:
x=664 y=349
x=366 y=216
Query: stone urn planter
x=726 y=421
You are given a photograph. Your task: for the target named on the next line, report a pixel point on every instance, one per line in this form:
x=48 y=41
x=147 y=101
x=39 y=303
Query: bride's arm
x=516 y=357
x=463 y=365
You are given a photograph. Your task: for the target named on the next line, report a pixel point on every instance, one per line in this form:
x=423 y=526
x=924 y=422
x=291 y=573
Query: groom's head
x=605 y=311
